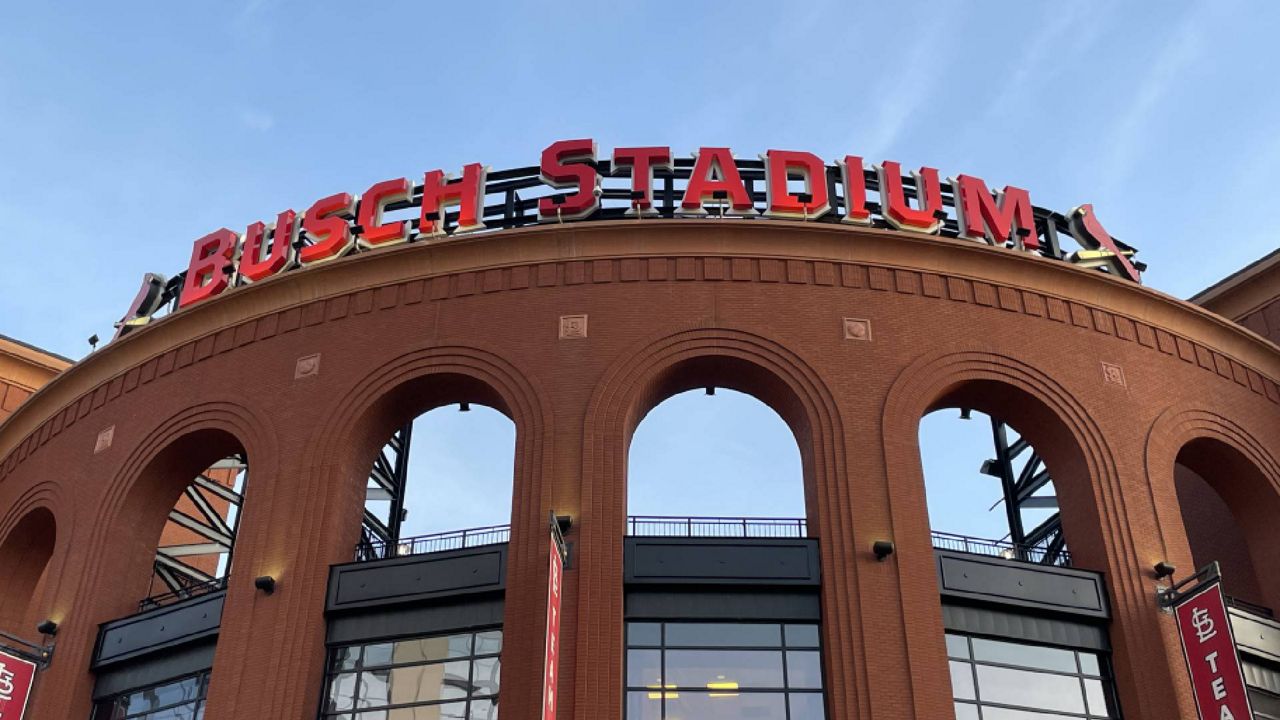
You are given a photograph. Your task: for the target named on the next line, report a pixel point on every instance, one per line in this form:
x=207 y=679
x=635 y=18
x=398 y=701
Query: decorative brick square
x=308 y=366
x=104 y=439
x=573 y=327
x=1113 y=374
x=857 y=329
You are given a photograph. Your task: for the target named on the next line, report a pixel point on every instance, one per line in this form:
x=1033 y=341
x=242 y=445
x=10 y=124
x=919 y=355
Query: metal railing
x=437 y=542
x=746 y=527
x=157 y=601
x=1039 y=554
x=1252 y=608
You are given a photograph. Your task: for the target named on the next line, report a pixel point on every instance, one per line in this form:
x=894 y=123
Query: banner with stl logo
x=16 y=678
x=1210 y=650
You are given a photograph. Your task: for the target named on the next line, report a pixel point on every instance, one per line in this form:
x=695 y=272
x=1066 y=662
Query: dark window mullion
x=786 y=681
x=471 y=677
x=662 y=671
x=973 y=670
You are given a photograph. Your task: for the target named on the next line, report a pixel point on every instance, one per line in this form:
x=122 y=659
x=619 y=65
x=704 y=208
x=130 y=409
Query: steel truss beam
x=1022 y=473
x=216 y=515
x=387 y=484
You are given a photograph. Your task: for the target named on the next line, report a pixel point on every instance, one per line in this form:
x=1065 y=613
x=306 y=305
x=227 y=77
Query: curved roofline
x=781 y=239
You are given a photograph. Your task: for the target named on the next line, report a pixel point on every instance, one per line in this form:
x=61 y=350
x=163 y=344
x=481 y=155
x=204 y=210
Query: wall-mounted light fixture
x=1164 y=570
x=464 y=407
x=564 y=522
x=711 y=389
x=882 y=549
x=265 y=583
x=966 y=414
x=47 y=627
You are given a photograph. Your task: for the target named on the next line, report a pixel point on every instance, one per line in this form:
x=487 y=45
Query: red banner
x=1210 y=650
x=552 y=658
x=16 y=677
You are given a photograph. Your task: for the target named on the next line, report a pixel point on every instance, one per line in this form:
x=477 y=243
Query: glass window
x=489 y=643
x=1035 y=689
x=807 y=706
x=445 y=677
x=711 y=671
x=962 y=681
x=1030 y=656
x=1089 y=664
x=1001 y=680
x=1096 y=696
x=744 y=668
x=804 y=669
x=958 y=646
x=726 y=706
x=644 y=667
x=723 y=635
x=644 y=634
x=802 y=636
x=181 y=699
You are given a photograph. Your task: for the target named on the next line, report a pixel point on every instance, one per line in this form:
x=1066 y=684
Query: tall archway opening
x=719 y=460
x=1005 y=483
x=1229 y=511
x=24 y=562
x=442 y=475
x=438 y=453
x=443 y=480
x=718 y=496
x=183 y=513
x=988 y=489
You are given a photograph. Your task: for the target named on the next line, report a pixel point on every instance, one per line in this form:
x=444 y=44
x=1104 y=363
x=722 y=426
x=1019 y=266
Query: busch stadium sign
x=572 y=182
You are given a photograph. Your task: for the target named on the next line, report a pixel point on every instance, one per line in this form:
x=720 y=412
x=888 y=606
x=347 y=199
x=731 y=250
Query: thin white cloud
x=900 y=96
x=1128 y=139
x=1044 y=48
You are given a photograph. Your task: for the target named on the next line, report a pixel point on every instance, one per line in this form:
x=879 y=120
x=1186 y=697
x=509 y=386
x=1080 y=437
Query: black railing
x=186 y=593
x=437 y=542
x=1249 y=607
x=747 y=527
x=1039 y=554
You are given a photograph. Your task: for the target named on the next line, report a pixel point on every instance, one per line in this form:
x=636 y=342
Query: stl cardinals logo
x=1102 y=248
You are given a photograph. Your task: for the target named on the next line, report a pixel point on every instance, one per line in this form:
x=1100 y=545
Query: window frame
x=105 y=708
x=1104 y=676
x=785 y=691
x=472 y=658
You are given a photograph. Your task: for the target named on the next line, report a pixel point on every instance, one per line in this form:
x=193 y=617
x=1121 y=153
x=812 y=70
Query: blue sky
x=131 y=129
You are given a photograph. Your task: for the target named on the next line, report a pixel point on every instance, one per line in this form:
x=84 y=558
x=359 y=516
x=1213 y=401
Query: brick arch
x=28 y=539
x=331 y=470
x=30 y=542
x=1095 y=508
x=360 y=422
x=652 y=371
x=1242 y=478
x=147 y=485
x=133 y=505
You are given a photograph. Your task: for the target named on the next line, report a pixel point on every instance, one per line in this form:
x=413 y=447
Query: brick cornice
x=639 y=252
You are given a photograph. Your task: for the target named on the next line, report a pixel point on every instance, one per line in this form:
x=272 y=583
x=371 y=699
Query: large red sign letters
x=798 y=186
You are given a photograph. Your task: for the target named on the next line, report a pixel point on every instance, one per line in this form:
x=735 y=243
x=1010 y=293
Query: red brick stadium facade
x=851 y=334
